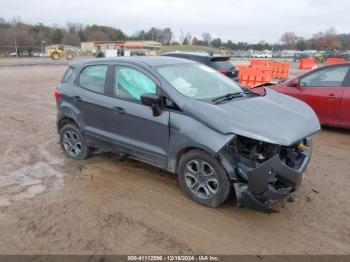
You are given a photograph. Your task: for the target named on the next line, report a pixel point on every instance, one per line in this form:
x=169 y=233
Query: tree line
x=16 y=32
x=327 y=40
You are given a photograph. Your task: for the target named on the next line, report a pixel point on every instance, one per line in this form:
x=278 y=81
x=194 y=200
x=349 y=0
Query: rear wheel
x=73 y=143
x=203 y=178
x=55 y=56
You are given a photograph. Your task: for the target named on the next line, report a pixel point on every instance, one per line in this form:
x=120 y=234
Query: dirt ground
x=53 y=205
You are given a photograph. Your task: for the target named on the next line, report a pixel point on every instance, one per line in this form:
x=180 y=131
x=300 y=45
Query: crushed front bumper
x=259 y=188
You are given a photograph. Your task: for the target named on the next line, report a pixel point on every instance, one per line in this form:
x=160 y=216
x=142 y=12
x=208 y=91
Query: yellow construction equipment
x=59 y=51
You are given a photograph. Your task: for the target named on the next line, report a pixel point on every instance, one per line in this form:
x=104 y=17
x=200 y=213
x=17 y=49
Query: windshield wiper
x=228 y=96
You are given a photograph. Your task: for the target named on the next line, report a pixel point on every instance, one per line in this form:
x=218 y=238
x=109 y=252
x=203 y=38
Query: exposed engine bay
x=265 y=173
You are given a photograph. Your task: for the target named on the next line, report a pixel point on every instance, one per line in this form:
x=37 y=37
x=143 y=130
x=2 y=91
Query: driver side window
x=130 y=84
x=331 y=76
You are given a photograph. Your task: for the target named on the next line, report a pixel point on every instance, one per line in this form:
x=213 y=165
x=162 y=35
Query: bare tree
x=166 y=36
x=74 y=28
x=21 y=35
x=189 y=38
x=182 y=37
x=326 y=40
x=195 y=41
x=98 y=36
x=207 y=38
x=289 y=39
x=330 y=40
x=70 y=39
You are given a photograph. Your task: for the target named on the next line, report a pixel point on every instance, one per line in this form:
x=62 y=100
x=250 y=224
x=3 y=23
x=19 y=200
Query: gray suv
x=221 y=64
x=190 y=120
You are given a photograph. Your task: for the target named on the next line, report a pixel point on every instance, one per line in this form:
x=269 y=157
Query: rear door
x=322 y=90
x=90 y=99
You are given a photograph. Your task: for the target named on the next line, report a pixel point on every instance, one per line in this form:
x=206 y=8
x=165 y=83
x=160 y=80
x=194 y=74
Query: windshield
x=198 y=81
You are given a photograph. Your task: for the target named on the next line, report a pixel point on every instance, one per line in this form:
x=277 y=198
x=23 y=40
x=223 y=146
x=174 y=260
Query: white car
x=262 y=55
x=37 y=54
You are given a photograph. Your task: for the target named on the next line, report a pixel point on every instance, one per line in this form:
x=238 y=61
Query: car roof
x=330 y=65
x=140 y=60
x=199 y=54
x=196 y=54
x=317 y=68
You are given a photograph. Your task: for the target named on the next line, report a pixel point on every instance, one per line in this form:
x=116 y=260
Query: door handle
x=119 y=110
x=332 y=96
x=77 y=98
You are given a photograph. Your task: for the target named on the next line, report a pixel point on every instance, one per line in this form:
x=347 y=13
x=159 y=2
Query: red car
x=326 y=89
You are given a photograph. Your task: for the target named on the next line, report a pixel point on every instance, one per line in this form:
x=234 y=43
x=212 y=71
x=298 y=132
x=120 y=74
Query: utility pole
x=42 y=47
x=16 y=50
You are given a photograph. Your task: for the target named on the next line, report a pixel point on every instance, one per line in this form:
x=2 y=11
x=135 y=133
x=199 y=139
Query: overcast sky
x=238 y=20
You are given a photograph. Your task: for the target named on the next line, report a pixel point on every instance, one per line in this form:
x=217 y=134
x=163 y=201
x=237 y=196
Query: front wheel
x=203 y=178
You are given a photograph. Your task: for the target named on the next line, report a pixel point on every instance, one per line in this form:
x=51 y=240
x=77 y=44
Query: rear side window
x=222 y=64
x=131 y=84
x=67 y=74
x=93 y=78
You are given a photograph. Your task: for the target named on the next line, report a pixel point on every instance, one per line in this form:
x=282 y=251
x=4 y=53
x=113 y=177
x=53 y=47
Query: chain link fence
x=20 y=51
x=33 y=55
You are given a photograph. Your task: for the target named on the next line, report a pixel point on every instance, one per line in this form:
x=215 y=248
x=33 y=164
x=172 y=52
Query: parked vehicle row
x=320 y=56
x=262 y=55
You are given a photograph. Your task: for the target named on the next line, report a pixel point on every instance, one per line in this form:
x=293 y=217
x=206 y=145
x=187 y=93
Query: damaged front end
x=264 y=173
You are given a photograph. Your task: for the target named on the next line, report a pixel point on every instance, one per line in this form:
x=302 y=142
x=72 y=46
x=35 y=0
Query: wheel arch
x=174 y=161
x=65 y=121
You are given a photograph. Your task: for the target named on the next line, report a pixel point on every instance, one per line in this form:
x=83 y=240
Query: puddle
x=28 y=182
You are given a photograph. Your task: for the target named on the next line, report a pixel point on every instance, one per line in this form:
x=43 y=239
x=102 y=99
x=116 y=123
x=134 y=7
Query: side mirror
x=152 y=100
x=294 y=83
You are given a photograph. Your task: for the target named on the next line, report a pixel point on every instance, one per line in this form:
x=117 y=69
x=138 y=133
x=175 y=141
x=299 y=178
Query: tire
x=73 y=142
x=55 y=56
x=199 y=173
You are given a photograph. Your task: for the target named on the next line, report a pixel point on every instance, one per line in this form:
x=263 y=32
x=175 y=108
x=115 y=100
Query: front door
x=132 y=124
x=322 y=90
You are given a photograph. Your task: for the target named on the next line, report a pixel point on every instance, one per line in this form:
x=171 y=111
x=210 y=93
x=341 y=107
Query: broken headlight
x=293 y=156
x=253 y=152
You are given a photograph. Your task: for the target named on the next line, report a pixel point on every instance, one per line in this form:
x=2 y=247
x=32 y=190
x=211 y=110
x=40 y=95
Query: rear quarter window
x=67 y=75
x=93 y=78
x=222 y=64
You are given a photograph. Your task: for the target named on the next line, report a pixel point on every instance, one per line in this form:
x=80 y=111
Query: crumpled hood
x=273 y=118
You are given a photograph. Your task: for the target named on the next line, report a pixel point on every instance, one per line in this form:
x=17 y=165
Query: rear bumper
x=270 y=182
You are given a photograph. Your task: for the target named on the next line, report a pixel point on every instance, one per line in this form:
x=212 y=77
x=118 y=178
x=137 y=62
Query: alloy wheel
x=72 y=143
x=201 y=179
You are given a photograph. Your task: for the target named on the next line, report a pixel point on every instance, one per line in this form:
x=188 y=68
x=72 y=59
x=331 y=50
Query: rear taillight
x=57 y=94
x=223 y=71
